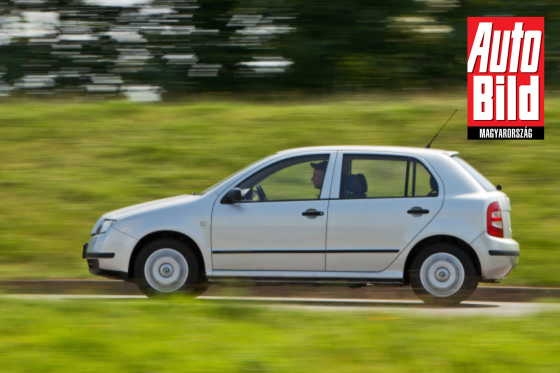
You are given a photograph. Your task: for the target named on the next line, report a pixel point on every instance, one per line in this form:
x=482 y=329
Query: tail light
x=494 y=223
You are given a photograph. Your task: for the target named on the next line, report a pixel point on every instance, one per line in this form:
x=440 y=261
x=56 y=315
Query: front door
x=382 y=204
x=281 y=223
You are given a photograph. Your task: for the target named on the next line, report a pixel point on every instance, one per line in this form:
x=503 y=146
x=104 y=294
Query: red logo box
x=505 y=72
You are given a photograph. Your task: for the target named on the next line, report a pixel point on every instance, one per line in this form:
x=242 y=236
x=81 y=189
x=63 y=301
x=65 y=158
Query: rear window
x=487 y=185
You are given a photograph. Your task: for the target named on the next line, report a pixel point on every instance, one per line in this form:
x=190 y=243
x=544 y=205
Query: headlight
x=105 y=226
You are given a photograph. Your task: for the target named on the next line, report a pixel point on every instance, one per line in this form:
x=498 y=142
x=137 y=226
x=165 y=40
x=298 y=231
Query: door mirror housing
x=232 y=196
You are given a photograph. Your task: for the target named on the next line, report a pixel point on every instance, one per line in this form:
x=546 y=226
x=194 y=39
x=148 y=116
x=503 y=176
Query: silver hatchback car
x=351 y=214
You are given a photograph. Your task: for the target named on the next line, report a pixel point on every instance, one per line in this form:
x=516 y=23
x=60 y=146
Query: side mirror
x=232 y=196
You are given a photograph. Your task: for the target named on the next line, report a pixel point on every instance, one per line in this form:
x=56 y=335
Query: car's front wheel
x=167 y=266
x=443 y=274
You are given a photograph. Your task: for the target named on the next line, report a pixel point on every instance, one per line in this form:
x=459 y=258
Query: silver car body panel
x=268 y=236
x=189 y=215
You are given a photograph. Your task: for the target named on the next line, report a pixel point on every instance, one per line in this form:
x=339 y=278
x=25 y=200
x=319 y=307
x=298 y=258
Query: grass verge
x=188 y=335
x=64 y=164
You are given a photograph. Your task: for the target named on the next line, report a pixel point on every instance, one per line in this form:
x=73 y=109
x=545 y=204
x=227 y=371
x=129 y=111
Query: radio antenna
x=428 y=146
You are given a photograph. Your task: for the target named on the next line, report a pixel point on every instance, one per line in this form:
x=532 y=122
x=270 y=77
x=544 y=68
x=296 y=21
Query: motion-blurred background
x=152 y=49
x=107 y=103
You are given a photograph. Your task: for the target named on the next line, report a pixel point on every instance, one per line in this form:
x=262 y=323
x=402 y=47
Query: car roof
x=380 y=149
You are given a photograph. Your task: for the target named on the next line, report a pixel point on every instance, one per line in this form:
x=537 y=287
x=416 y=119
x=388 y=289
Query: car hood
x=149 y=206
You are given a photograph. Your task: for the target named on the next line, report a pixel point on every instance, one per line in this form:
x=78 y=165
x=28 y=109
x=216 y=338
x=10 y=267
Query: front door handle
x=418 y=211
x=312 y=212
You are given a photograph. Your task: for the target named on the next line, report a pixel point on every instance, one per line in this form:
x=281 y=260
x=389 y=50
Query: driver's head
x=319 y=170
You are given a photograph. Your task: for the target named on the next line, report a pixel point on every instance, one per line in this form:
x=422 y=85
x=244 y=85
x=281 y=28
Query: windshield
x=487 y=185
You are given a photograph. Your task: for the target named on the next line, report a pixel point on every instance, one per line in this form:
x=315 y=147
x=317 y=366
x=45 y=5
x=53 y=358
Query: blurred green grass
x=178 y=335
x=63 y=164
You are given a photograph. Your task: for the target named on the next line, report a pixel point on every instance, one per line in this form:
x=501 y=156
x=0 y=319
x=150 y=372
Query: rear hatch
x=493 y=194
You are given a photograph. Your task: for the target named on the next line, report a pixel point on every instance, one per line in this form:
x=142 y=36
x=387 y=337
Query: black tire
x=439 y=282
x=169 y=260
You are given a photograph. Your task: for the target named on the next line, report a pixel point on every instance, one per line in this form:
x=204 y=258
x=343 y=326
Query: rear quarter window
x=421 y=185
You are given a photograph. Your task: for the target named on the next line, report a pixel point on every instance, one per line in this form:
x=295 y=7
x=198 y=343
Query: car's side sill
x=302 y=281
x=308 y=275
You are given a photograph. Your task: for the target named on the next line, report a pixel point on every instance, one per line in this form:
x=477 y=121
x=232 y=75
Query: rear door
x=379 y=203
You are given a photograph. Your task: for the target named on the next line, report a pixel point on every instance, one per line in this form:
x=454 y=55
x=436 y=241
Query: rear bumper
x=498 y=256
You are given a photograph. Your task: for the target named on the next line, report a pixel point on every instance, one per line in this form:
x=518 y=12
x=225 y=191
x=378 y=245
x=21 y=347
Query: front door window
x=294 y=179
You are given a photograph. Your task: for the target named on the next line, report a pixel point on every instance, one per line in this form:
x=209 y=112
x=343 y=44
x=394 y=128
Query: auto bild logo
x=506 y=78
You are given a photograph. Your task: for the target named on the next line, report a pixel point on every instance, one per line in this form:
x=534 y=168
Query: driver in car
x=319 y=170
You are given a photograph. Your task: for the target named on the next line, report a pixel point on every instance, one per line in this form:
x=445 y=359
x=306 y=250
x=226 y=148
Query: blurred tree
x=182 y=46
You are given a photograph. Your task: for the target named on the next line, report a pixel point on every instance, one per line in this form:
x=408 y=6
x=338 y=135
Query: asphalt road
x=484 y=293
x=393 y=307
x=387 y=307
x=389 y=300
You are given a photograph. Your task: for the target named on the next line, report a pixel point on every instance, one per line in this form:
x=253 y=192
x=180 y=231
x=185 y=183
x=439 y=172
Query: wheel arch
x=171 y=235
x=438 y=239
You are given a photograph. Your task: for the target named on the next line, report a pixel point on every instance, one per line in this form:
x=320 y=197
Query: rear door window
x=373 y=176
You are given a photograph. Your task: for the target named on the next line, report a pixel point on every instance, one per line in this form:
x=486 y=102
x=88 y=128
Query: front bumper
x=87 y=255
x=108 y=254
x=93 y=265
x=498 y=256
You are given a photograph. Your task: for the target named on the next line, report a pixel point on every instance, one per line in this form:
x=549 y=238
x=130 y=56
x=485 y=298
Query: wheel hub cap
x=166 y=270
x=442 y=274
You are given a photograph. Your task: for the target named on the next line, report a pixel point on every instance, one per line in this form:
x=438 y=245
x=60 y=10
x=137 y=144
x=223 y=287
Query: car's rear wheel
x=167 y=266
x=443 y=274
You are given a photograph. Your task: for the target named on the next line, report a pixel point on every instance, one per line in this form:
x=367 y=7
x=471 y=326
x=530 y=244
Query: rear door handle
x=312 y=212
x=418 y=211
